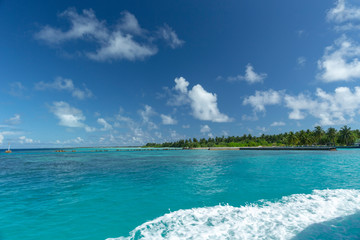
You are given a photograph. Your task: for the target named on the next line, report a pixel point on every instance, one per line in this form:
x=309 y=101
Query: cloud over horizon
x=69 y=116
x=339 y=107
x=203 y=104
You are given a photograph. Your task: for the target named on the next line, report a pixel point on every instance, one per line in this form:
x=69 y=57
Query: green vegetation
x=344 y=137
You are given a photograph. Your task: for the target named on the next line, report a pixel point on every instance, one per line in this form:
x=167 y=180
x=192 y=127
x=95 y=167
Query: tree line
x=331 y=137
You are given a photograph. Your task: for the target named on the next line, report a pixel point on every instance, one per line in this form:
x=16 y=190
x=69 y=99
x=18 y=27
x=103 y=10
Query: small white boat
x=8 y=151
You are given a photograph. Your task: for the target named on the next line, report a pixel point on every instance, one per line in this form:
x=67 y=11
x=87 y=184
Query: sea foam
x=282 y=219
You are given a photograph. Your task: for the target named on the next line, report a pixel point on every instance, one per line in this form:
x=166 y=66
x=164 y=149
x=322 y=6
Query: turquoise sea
x=184 y=194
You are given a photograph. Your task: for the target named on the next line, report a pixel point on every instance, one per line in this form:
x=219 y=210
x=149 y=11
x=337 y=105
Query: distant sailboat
x=8 y=151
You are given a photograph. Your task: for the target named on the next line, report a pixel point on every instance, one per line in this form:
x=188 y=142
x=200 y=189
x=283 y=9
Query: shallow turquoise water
x=217 y=194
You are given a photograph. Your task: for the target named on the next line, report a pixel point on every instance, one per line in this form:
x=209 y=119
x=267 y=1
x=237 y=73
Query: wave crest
x=266 y=220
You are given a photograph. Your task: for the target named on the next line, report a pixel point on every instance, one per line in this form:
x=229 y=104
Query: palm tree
x=331 y=135
x=318 y=133
x=346 y=136
x=292 y=139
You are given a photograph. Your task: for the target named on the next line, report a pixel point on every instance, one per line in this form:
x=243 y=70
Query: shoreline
x=266 y=148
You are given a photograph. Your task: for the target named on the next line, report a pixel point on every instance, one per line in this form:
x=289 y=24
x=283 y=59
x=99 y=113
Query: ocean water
x=181 y=194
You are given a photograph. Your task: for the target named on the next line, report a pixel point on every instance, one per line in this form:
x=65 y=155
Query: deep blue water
x=181 y=194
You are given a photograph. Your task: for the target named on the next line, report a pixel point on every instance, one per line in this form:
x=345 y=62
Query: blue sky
x=131 y=72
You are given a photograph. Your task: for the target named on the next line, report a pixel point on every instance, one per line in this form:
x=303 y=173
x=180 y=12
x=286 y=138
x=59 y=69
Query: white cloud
x=181 y=85
x=106 y=125
x=261 y=129
x=130 y=24
x=17 y=89
x=339 y=107
x=120 y=119
x=122 y=46
x=1 y=138
x=167 y=120
x=11 y=133
x=278 y=124
x=76 y=140
x=340 y=61
x=250 y=76
x=335 y=108
x=205 y=129
x=85 y=26
x=173 y=134
x=181 y=97
x=300 y=32
x=146 y=114
x=63 y=84
x=24 y=139
x=14 y=120
x=170 y=36
x=127 y=40
x=297 y=103
x=203 y=104
x=301 y=61
x=89 y=129
x=343 y=12
x=246 y=117
x=263 y=98
x=69 y=116
x=186 y=126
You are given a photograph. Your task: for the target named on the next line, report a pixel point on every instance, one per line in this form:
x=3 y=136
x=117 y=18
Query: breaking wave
x=283 y=219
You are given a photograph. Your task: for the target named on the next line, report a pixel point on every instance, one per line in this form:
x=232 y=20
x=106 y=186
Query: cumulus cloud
x=180 y=97
x=278 y=124
x=167 y=120
x=343 y=12
x=335 y=108
x=69 y=116
x=15 y=120
x=298 y=103
x=127 y=40
x=170 y=36
x=63 y=84
x=339 y=107
x=263 y=98
x=203 y=103
x=250 y=76
x=340 y=61
x=181 y=85
x=1 y=138
x=205 y=129
x=105 y=124
x=24 y=139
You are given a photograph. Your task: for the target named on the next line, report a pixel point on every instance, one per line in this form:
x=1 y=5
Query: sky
x=124 y=73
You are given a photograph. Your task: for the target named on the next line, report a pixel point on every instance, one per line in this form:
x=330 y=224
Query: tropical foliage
x=344 y=137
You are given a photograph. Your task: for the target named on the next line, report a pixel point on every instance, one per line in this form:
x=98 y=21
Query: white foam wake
x=268 y=220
